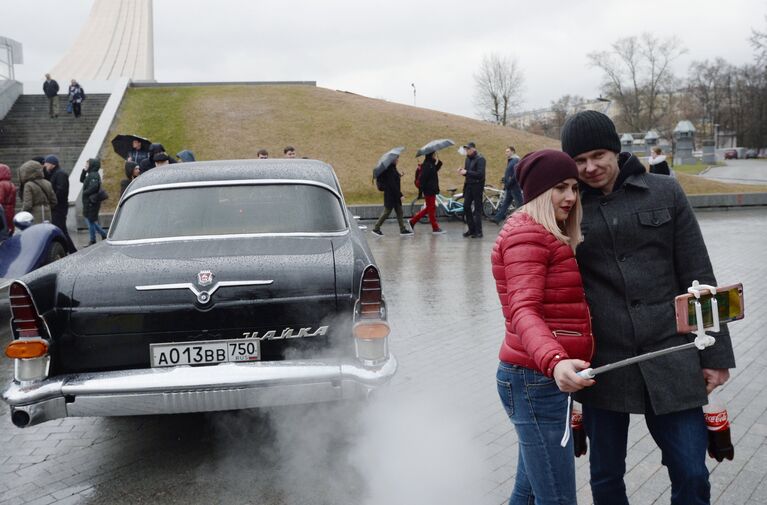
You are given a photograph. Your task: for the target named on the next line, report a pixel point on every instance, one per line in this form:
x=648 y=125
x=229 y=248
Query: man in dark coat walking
x=510 y=185
x=390 y=180
x=473 y=187
x=642 y=247
x=51 y=90
x=60 y=182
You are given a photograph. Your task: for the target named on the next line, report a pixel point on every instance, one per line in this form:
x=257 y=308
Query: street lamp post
x=413 y=85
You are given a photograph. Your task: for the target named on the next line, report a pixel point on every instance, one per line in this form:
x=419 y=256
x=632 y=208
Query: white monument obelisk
x=116 y=41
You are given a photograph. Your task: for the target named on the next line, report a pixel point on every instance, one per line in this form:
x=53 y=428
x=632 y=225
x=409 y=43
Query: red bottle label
x=716 y=421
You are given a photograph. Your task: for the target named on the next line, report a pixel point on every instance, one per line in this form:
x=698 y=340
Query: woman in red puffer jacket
x=7 y=196
x=548 y=329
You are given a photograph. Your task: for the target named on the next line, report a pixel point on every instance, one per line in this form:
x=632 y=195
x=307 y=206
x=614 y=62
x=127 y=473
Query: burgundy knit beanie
x=541 y=170
x=587 y=131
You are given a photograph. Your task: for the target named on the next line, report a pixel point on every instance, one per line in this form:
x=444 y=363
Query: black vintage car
x=222 y=285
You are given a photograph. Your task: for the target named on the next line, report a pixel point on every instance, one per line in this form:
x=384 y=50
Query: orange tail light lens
x=27 y=349
x=369 y=331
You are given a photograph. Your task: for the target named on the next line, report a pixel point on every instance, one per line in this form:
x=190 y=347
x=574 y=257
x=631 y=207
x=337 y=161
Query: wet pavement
x=437 y=435
x=753 y=171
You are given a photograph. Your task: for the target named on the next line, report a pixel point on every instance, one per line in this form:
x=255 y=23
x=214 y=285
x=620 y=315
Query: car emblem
x=205 y=277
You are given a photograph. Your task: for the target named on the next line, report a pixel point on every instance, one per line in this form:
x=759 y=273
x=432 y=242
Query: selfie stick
x=702 y=340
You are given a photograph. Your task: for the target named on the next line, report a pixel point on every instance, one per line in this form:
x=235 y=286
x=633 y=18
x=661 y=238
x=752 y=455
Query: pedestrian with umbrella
x=131 y=147
x=387 y=179
x=429 y=182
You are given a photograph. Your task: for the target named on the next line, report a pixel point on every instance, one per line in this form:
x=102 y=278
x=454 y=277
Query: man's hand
x=565 y=375
x=714 y=377
x=462 y=171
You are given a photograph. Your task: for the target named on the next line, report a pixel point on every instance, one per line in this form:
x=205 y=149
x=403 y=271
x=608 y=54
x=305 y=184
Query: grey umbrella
x=434 y=146
x=385 y=160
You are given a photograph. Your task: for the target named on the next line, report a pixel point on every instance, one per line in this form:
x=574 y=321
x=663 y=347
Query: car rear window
x=228 y=210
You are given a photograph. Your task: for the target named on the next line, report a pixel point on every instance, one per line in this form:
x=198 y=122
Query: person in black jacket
x=392 y=199
x=658 y=164
x=429 y=186
x=60 y=182
x=510 y=185
x=90 y=197
x=51 y=90
x=474 y=172
x=132 y=170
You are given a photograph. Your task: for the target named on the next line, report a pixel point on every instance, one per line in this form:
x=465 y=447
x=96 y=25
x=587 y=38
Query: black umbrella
x=123 y=144
x=385 y=160
x=434 y=146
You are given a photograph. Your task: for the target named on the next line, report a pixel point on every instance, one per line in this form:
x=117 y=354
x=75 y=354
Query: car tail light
x=371 y=297
x=371 y=331
x=27 y=348
x=25 y=320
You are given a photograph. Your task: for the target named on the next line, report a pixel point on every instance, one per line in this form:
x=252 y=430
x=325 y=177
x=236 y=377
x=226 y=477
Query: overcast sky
x=379 y=49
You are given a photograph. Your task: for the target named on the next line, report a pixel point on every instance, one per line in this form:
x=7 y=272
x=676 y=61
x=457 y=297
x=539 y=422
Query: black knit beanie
x=540 y=171
x=589 y=130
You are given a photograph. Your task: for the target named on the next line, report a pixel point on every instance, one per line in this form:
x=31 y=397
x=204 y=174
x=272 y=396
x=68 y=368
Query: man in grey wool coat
x=642 y=247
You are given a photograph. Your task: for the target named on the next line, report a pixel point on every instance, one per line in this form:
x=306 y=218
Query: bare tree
x=637 y=74
x=759 y=43
x=562 y=108
x=499 y=84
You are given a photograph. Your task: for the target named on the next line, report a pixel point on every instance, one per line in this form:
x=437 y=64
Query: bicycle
x=492 y=198
x=452 y=207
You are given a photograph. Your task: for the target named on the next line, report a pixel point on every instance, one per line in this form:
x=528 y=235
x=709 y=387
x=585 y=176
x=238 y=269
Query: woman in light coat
x=38 y=196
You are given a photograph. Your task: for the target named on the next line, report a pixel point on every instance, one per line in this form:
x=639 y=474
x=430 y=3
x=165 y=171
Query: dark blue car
x=30 y=247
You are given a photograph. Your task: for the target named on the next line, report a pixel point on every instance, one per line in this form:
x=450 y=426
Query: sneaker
x=467 y=234
x=405 y=232
x=438 y=231
x=377 y=232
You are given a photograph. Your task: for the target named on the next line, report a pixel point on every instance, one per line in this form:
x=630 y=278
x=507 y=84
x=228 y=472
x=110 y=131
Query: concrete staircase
x=28 y=131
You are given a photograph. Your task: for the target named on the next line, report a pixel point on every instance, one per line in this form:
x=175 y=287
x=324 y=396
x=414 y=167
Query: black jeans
x=472 y=207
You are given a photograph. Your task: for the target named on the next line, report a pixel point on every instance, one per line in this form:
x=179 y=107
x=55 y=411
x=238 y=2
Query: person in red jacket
x=548 y=329
x=7 y=196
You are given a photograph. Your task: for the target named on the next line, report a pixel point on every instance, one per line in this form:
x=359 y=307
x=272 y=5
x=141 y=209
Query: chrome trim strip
x=184 y=238
x=233 y=182
x=203 y=296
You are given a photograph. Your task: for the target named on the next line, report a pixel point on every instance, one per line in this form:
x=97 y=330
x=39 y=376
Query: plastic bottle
x=580 y=443
x=718 y=424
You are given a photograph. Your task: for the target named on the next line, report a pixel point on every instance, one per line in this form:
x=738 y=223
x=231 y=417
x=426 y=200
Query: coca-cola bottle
x=580 y=444
x=719 y=443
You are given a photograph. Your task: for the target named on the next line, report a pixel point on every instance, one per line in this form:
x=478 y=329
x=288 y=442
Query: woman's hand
x=565 y=375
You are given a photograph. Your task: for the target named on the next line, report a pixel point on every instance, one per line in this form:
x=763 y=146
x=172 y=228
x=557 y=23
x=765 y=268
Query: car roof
x=228 y=170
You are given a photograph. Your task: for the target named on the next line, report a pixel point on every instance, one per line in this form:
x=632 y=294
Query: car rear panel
x=298 y=314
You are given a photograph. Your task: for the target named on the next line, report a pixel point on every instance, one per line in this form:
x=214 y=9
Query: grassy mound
x=348 y=131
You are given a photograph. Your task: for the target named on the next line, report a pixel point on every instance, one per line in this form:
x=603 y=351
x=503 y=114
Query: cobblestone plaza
x=437 y=435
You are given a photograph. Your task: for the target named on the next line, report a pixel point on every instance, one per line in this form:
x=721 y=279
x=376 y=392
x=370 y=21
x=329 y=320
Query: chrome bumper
x=173 y=390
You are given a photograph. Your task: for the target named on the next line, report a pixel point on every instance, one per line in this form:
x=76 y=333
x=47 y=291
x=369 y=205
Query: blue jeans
x=511 y=192
x=538 y=410
x=93 y=227
x=681 y=437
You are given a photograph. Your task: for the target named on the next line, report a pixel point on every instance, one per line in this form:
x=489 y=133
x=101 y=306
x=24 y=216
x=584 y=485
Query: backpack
x=417 y=180
x=380 y=183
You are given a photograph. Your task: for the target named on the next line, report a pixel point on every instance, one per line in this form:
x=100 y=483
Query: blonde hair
x=542 y=211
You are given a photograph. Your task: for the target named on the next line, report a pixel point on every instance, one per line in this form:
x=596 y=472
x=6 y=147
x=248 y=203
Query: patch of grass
x=694 y=168
x=346 y=130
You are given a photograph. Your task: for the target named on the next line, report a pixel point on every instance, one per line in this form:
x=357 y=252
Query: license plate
x=204 y=353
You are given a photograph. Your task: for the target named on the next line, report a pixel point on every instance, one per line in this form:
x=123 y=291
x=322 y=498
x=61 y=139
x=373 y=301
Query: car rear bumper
x=172 y=390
